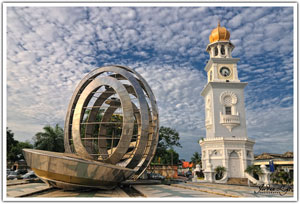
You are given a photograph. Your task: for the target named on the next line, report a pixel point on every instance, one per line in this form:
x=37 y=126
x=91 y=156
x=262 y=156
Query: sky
x=50 y=49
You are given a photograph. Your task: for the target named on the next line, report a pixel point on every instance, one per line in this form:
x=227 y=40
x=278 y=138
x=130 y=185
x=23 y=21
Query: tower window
x=222 y=50
x=216 y=51
x=210 y=76
x=228 y=110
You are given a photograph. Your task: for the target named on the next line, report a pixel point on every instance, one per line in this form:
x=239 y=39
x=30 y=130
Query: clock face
x=225 y=71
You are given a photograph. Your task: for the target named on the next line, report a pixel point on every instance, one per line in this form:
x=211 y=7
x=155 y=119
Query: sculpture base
x=69 y=171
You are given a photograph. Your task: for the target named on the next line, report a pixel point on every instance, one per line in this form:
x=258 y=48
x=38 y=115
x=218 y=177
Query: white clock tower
x=226 y=143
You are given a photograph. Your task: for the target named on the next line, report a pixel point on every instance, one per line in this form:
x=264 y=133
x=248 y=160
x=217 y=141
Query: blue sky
x=50 y=49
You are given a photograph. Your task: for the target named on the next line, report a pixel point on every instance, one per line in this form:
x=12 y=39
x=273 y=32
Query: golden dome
x=219 y=34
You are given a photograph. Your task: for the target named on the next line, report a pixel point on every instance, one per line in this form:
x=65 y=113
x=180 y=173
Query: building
x=184 y=167
x=282 y=162
x=168 y=171
x=226 y=143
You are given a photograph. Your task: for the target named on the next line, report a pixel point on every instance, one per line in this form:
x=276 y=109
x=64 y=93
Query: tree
x=10 y=139
x=281 y=177
x=196 y=159
x=253 y=170
x=11 y=143
x=52 y=139
x=14 y=147
x=111 y=129
x=170 y=157
x=85 y=120
x=220 y=170
x=16 y=151
x=168 y=139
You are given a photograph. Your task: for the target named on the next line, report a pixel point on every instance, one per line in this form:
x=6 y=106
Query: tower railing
x=229 y=119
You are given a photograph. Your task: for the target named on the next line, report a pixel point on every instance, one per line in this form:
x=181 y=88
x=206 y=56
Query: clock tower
x=226 y=143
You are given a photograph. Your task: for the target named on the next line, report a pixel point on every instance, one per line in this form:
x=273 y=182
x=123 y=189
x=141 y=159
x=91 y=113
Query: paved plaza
x=57 y=193
x=180 y=190
x=25 y=189
x=229 y=190
x=192 y=190
x=43 y=190
x=166 y=191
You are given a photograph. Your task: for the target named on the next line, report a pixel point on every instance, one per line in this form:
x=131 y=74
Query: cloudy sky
x=50 y=49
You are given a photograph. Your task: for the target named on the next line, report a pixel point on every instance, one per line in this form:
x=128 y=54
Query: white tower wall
x=226 y=143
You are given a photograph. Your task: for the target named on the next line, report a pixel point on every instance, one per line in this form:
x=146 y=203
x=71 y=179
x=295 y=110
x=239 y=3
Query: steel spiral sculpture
x=111 y=132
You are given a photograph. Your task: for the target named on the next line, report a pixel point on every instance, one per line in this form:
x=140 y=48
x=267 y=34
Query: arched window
x=228 y=110
x=228 y=102
x=228 y=99
x=216 y=51
x=222 y=50
x=234 y=154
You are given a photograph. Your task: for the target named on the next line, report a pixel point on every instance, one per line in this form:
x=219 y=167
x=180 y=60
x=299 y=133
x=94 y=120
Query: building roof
x=273 y=156
x=186 y=164
x=288 y=155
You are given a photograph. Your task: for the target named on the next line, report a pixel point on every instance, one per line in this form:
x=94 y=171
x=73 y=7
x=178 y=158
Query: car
x=29 y=175
x=188 y=174
x=8 y=171
x=13 y=175
x=21 y=171
x=155 y=176
x=180 y=173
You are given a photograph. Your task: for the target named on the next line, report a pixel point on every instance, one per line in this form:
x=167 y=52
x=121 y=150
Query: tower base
x=235 y=154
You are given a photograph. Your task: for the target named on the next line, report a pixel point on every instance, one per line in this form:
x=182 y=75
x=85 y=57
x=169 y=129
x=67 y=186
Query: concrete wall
x=167 y=171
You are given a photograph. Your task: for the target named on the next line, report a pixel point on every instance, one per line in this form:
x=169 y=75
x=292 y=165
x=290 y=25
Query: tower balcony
x=229 y=121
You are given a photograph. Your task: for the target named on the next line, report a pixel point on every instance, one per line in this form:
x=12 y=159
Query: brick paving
x=25 y=189
x=181 y=190
x=116 y=193
x=165 y=191
x=205 y=190
x=230 y=190
x=43 y=190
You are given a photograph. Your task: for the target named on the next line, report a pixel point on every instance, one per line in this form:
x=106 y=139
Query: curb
x=206 y=191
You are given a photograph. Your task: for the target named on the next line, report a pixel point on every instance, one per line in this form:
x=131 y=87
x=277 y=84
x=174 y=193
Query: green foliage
x=281 y=177
x=20 y=146
x=112 y=130
x=10 y=139
x=196 y=159
x=254 y=170
x=220 y=170
x=98 y=119
x=166 y=157
x=14 y=147
x=168 y=138
x=52 y=139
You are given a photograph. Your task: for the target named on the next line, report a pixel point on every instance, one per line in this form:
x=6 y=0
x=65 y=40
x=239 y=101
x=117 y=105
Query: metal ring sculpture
x=113 y=118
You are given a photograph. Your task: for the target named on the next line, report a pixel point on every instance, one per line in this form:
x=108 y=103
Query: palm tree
x=249 y=169
x=220 y=170
x=196 y=159
x=52 y=139
x=253 y=170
